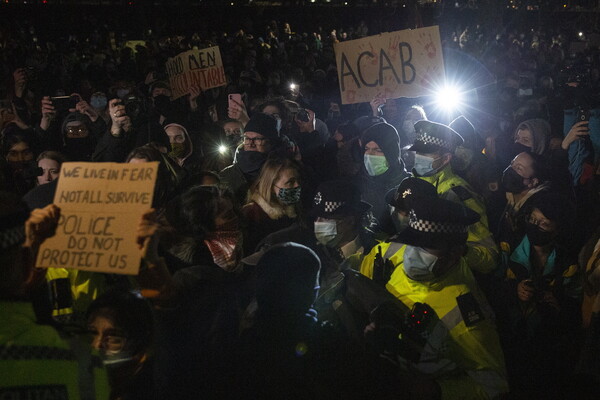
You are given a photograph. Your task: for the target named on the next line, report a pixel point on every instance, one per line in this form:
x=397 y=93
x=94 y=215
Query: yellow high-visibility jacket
x=36 y=363
x=482 y=255
x=463 y=351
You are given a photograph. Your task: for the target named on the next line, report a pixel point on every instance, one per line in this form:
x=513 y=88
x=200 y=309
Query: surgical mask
x=98 y=102
x=326 y=232
x=289 y=196
x=121 y=93
x=418 y=264
x=400 y=221
x=114 y=359
x=375 y=165
x=177 y=150
x=424 y=165
x=512 y=181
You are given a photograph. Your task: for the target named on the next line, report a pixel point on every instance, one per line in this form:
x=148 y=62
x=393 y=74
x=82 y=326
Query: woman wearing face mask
x=121 y=327
x=382 y=170
x=273 y=200
x=543 y=293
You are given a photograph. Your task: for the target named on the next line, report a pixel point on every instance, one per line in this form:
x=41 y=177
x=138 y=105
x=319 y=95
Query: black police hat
x=337 y=199
x=408 y=187
x=435 y=222
x=432 y=137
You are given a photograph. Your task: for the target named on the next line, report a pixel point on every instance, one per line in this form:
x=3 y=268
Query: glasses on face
x=232 y=132
x=77 y=131
x=543 y=224
x=255 y=141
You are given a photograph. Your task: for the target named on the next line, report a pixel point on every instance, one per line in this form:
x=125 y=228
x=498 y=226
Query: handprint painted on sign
x=427 y=42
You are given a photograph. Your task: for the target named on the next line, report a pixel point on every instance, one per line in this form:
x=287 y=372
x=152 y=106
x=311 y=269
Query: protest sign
x=202 y=68
x=101 y=205
x=396 y=64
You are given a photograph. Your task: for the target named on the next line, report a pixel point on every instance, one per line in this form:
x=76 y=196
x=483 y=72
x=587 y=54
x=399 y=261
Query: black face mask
x=251 y=162
x=162 y=104
x=518 y=148
x=512 y=181
x=538 y=237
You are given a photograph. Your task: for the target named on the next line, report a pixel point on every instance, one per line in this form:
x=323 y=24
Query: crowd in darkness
x=298 y=247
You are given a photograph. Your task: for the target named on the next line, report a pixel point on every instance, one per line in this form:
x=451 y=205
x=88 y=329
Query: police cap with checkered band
x=336 y=199
x=435 y=223
x=409 y=187
x=432 y=137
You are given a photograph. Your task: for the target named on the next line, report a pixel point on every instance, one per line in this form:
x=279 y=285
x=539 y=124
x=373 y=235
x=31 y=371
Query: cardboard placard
x=101 y=205
x=202 y=68
x=405 y=63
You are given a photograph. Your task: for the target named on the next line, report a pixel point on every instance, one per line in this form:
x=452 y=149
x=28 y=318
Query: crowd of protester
x=301 y=248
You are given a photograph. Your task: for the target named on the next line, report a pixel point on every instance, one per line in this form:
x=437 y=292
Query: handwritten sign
x=202 y=68
x=396 y=64
x=101 y=205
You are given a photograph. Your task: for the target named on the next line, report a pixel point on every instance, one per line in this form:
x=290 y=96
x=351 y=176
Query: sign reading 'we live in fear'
x=101 y=205
x=397 y=64
x=202 y=68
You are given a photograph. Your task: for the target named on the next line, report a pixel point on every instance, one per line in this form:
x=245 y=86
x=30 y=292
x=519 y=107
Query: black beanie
x=386 y=136
x=263 y=124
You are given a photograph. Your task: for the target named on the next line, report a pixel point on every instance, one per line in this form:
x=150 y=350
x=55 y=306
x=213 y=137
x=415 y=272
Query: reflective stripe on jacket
x=463 y=351
x=483 y=252
x=35 y=362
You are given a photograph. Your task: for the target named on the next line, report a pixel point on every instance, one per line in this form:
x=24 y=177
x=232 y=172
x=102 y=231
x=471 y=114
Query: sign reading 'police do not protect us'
x=101 y=205
x=396 y=64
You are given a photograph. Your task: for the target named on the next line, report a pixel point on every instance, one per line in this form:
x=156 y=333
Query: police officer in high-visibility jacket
x=434 y=146
x=462 y=358
x=35 y=361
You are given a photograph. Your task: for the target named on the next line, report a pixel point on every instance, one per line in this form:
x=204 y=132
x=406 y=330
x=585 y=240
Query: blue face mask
x=98 y=102
x=289 y=196
x=418 y=264
x=424 y=165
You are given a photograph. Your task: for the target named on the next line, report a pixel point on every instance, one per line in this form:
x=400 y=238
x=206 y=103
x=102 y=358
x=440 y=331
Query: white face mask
x=418 y=264
x=326 y=232
x=424 y=165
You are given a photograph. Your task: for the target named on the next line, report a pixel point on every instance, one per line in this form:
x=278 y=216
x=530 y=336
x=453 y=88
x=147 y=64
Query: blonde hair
x=269 y=173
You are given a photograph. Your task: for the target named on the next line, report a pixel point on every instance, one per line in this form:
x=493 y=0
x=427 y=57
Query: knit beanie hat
x=386 y=136
x=263 y=124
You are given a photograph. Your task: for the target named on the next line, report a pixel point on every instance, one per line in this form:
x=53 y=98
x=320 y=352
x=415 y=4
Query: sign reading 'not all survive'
x=101 y=205
x=201 y=68
x=396 y=64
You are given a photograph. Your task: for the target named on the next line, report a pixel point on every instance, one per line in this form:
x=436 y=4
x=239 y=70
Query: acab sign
x=397 y=64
